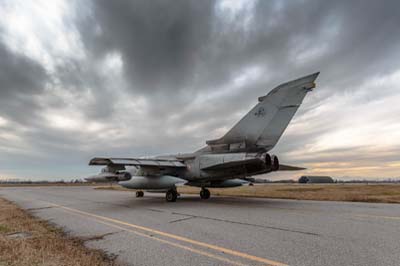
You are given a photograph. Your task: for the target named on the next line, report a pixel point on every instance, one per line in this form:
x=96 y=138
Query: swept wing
x=141 y=162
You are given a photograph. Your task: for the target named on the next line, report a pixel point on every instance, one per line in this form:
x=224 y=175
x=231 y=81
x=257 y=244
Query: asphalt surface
x=221 y=230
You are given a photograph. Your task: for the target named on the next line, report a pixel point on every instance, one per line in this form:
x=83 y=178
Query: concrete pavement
x=221 y=230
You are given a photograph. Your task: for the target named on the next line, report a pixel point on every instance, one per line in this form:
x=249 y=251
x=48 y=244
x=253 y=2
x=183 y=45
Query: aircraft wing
x=141 y=162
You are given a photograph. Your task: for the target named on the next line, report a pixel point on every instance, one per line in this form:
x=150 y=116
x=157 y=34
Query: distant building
x=315 y=179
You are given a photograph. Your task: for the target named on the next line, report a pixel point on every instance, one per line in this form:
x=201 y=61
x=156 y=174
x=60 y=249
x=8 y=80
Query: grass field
x=382 y=193
x=26 y=241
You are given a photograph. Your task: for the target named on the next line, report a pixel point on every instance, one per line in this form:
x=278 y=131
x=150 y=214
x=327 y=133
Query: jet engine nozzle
x=275 y=163
x=268 y=161
x=271 y=162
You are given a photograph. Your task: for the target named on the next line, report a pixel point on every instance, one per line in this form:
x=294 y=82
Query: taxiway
x=221 y=230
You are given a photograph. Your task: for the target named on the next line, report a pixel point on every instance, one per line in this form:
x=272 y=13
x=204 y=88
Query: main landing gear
x=171 y=195
x=139 y=194
x=204 y=193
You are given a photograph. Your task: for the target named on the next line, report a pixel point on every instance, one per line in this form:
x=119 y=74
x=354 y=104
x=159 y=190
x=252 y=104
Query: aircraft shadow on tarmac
x=195 y=202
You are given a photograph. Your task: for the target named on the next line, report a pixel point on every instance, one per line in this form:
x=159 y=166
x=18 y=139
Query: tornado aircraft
x=225 y=162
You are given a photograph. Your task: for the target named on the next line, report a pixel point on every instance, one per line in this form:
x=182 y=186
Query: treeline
x=18 y=181
x=365 y=181
x=338 y=181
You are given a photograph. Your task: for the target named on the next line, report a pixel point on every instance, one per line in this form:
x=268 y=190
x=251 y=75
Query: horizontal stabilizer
x=137 y=162
x=284 y=167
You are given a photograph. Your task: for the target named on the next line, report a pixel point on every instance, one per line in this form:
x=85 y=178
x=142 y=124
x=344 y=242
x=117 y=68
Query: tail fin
x=265 y=123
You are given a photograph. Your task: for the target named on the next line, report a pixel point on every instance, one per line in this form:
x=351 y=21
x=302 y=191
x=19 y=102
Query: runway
x=221 y=230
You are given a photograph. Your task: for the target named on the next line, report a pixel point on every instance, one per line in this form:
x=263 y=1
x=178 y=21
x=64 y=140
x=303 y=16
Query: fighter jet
x=225 y=162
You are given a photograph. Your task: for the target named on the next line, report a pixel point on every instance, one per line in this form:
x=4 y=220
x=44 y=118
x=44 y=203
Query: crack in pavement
x=154 y=210
x=99 y=237
x=243 y=223
x=41 y=208
x=183 y=219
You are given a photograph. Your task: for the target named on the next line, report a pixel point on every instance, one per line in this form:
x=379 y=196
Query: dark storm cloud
x=173 y=53
x=79 y=77
x=172 y=47
x=160 y=41
x=20 y=80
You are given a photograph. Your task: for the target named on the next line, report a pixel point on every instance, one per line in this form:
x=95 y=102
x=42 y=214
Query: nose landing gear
x=139 y=194
x=205 y=193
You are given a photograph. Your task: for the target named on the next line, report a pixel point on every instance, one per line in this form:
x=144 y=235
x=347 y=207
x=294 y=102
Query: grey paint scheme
x=242 y=151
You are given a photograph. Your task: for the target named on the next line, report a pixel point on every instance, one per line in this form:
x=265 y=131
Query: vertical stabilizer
x=265 y=123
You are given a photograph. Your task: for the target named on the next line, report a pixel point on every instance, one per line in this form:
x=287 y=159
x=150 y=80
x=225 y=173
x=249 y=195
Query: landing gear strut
x=139 y=194
x=205 y=193
x=171 y=195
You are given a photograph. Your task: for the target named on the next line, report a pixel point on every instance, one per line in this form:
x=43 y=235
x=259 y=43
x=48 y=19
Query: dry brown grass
x=383 y=193
x=46 y=245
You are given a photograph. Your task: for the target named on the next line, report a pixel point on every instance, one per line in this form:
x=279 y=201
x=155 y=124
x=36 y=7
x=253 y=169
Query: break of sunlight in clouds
x=38 y=30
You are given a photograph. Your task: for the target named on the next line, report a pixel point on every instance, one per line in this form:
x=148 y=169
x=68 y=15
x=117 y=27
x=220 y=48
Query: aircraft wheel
x=139 y=194
x=171 y=195
x=205 y=193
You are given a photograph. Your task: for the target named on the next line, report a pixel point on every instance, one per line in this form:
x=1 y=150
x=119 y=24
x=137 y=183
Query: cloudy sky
x=137 y=78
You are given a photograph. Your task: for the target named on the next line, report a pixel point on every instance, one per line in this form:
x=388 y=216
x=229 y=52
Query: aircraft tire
x=205 y=193
x=171 y=195
x=139 y=194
